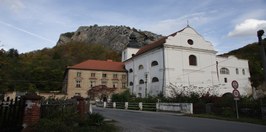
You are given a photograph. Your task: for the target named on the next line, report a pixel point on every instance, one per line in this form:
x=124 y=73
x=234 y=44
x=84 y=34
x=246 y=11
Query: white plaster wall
x=151 y=71
x=127 y=53
x=233 y=63
x=180 y=39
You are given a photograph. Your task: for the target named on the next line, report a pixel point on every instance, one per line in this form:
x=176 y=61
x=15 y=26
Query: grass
x=105 y=127
x=241 y=119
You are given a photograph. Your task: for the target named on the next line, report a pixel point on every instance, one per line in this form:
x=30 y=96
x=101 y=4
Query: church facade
x=183 y=62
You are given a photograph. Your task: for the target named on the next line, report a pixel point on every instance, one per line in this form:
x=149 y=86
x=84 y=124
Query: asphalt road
x=139 y=121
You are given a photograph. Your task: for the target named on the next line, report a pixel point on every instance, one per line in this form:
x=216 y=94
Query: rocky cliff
x=115 y=37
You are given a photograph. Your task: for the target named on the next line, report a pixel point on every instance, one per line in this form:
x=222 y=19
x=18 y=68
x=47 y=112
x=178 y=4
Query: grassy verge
x=241 y=119
x=106 y=127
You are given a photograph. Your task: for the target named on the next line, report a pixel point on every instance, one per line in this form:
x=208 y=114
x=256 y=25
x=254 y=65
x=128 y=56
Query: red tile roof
x=99 y=65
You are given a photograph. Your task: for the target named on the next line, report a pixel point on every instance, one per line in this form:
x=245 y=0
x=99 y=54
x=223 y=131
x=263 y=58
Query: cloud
x=247 y=28
x=14 y=5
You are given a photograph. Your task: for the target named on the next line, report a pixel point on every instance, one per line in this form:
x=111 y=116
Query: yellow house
x=82 y=77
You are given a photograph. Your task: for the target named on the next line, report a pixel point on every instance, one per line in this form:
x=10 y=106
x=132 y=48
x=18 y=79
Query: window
x=92 y=74
x=104 y=75
x=123 y=85
x=192 y=60
x=115 y=76
x=154 y=63
x=141 y=67
x=225 y=80
x=123 y=76
x=141 y=81
x=243 y=71
x=237 y=72
x=78 y=83
x=93 y=83
x=78 y=74
x=115 y=84
x=130 y=70
x=155 y=79
x=131 y=84
x=139 y=95
x=190 y=41
x=224 y=71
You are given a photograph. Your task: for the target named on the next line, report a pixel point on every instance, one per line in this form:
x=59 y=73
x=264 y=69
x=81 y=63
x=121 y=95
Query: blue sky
x=29 y=25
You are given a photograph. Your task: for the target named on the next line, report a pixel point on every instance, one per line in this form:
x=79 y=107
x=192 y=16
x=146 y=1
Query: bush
x=95 y=119
x=122 y=97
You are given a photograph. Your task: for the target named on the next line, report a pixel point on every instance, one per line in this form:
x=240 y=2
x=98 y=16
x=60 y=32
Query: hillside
x=43 y=70
x=114 y=37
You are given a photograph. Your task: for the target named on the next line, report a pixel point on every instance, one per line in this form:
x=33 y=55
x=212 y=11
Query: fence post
x=90 y=108
x=104 y=104
x=191 y=108
x=126 y=105
x=140 y=106
x=81 y=105
x=32 y=111
x=114 y=105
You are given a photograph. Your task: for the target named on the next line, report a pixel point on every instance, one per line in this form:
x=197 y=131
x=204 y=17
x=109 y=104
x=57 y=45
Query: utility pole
x=262 y=52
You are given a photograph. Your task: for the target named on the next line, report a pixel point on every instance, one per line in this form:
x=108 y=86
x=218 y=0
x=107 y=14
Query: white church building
x=183 y=62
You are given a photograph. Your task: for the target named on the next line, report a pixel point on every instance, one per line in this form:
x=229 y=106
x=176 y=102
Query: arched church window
x=154 y=63
x=141 y=81
x=155 y=79
x=224 y=71
x=141 y=67
x=192 y=60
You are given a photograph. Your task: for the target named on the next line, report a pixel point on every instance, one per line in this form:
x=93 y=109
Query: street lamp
x=262 y=52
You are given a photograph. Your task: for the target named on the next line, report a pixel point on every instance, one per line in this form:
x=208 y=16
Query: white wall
x=232 y=63
x=128 y=52
x=149 y=88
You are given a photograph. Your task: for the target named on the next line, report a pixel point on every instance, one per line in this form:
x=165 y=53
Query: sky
x=29 y=25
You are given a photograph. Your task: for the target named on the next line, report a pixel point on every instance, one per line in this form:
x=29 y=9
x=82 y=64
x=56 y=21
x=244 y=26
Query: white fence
x=186 y=108
x=175 y=107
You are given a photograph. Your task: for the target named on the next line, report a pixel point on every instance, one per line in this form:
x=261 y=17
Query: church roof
x=155 y=44
x=99 y=65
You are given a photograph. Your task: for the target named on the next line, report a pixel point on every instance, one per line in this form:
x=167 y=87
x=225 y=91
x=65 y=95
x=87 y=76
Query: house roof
x=99 y=65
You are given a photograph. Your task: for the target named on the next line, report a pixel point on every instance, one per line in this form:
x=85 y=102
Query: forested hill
x=114 y=37
x=251 y=52
x=43 y=70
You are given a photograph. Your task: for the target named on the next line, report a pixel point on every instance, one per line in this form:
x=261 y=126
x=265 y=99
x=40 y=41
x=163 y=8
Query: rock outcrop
x=114 y=37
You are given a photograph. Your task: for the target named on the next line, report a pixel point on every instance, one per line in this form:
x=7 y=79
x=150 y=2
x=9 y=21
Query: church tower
x=131 y=49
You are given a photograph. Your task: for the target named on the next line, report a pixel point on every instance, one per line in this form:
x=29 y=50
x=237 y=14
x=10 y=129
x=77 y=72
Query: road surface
x=141 y=121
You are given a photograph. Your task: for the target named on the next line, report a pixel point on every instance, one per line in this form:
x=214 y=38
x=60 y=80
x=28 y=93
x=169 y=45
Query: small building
x=82 y=77
x=183 y=62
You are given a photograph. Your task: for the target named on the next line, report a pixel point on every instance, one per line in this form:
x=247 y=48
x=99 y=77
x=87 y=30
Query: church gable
x=189 y=38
